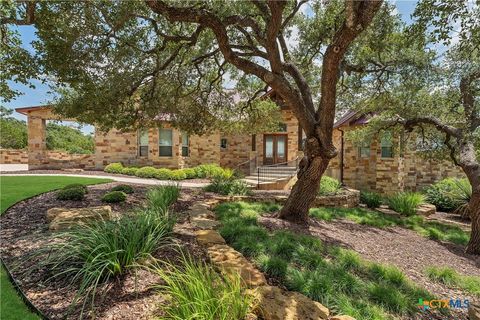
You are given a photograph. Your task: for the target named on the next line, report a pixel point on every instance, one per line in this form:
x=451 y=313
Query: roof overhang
x=26 y=110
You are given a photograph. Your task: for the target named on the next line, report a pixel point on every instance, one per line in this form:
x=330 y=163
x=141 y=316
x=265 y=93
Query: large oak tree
x=121 y=63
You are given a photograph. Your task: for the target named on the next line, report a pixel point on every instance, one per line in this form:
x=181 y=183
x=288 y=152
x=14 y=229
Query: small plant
x=178 y=175
x=76 y=194
x=114 y=197
x=124 y=188
x=163 y=174
x=115 y=167
x=76 y=185
x=405 y=202
x=190 y=173
x=199 y=292
x=229 y=187
x=146 y=172
x=130 y=171
x=90 y=255
x=329 y=186
x=464 y=195
x=371 y=199
x=161 y=198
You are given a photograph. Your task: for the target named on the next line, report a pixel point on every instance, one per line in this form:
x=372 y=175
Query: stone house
x=374 y=166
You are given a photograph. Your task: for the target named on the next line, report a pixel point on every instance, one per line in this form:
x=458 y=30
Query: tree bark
x=473 y=245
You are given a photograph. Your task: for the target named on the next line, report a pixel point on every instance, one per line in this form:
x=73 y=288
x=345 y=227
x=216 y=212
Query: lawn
x=338 y=278
x=13 y=190
x=430 y=229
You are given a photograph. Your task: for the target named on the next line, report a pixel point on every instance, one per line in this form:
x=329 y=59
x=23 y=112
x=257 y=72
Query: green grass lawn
x=338 y=278
x=430 y=229
x=13 y=190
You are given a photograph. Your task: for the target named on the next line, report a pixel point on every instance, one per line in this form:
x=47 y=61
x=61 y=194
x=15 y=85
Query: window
x=165 y=142
x=254 y=142
x=364 y=150
x=185 y=145
x=223 y=143
x=386 y=144
x=143 y=142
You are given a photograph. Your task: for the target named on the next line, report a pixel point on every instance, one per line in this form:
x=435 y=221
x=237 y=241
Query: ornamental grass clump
x=229 y=187
x=198 y=291
x=161 y=198
x=371 y=199
x=90 y=255
x=405 y=202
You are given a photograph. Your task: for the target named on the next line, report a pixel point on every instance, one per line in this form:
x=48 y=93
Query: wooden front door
x=274 y=148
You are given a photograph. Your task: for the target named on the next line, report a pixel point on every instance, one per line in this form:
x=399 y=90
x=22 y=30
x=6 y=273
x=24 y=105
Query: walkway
x=183 y=184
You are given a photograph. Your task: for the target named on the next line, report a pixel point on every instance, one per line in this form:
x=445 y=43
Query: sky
x=41 y=95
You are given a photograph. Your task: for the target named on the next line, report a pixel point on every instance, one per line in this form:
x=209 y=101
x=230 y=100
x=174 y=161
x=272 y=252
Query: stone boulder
x=426 y=209
x=65 y=218
x=274 y=303
x=208 y=238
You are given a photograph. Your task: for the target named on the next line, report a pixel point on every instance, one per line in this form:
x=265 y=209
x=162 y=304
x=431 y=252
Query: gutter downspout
x=341 y=155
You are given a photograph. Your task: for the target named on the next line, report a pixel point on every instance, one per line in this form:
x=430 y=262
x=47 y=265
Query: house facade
x=374 y=166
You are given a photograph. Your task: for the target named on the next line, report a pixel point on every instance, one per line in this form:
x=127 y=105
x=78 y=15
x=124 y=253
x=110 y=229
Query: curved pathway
x=183 y=184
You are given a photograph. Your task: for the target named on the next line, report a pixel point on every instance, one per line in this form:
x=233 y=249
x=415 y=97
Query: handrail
x=281 y=163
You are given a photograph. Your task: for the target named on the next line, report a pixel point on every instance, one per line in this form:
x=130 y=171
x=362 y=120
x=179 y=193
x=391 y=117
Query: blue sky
x=41 y=95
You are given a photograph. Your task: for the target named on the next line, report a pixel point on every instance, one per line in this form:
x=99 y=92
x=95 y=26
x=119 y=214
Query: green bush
x=92 y=254
x=199 y=292
x=75 y=193
x=229 y=187
x=443 y=194
x=76 y=185
x=189 y=173
x=115 y=167
x=163 y=174
x=124 y=188
x=162 y=197
x=405 y=202
x=371 y=199
x=212 y=170
x=178 y=175
x=329 y=186
x=130 y=171
x=147 y=172
x=114 y=197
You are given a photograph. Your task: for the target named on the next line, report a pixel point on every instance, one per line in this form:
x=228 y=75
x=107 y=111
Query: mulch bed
x=397 y=246
x=132 y=296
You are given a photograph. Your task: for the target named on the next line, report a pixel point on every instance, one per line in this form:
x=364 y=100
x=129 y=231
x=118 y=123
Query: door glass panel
x=268 y=146
x=281 y=146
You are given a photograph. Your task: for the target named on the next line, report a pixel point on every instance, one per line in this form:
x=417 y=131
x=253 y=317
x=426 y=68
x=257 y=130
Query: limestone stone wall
x=13 y=156
x=237 y=151
x=204 y=149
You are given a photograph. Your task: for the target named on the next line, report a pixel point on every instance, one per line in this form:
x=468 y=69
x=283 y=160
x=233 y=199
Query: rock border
x=272 y=302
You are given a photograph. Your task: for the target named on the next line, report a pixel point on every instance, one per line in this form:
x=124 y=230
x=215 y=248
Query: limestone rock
x=341 y=318
x=426 y=209
x=63 y=218
x=209 y=237
x=277 y=304
x=203 y=223
x=200 y=212
x=474 y=311
x=233 y=262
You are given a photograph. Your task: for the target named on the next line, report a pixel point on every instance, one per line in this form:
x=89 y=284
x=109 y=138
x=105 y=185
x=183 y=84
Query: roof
x=353 y=118
x=25 y=110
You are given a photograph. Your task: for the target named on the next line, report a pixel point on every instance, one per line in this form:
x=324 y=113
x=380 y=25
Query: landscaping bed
x=130 y=296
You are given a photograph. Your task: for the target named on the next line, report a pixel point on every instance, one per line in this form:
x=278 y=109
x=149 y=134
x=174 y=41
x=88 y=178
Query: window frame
x=185 y=146
x=386 y=147
x=162 y=146
x=143 y=149
x=223 y=146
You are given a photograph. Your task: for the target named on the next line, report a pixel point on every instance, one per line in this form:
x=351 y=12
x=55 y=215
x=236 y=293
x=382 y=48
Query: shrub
x=405 y=202
x=371 y=199
x=115 y=167
x=114 y=197
x=212 y=170
x=178 y=175
x=147 y=172
x=464 y=196
x=76 y=194
x=161 y=198
x=76 y=185
x=163 y=174
x=92 y=254
x=124 y=188
x=190 y=173
x=328 y=186
x=443 y=195
x=229 y=187
x=131 y=171
x=199 y=292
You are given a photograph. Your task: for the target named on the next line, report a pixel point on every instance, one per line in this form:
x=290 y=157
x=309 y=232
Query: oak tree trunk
x=305 y=190
x=473 y=245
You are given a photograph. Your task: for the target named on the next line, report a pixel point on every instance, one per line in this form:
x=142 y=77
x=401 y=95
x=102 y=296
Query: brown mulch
x=132 y=296
x=91 y=173
x=397 y=246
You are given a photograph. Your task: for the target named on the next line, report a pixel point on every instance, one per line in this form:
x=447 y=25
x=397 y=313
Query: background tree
x=438 y=98
x=13 y=132
x=122 y=63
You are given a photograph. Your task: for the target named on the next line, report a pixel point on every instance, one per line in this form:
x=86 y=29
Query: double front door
x=275 y=148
